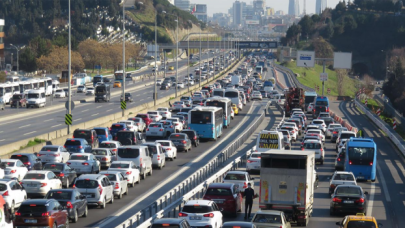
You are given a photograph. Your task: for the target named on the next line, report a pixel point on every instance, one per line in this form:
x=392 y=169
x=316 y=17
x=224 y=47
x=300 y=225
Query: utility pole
x=177 y=53
x=155 y=90
x=188 y=59
x=208 y=42
x=123 y=56
x=199 y=64
x=69 y=71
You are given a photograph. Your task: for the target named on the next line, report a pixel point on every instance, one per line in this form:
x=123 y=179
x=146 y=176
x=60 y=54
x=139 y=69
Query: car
x=253 y=162
x=29 y=160
x=13 y=169
x=155 y=116
x=117 y=84
x=128 y=97
x=341 y=178
x=97 y=188
x=156 y=130
x=192 y=134
x=264 y=94
x=298 y=124
x=116 y=127
x=53 y=153
x=65 y=174
x=39 y=182
x=2 y=104
x=119 y=181
x=128 y=169
x=178 y=105
x=270 y=218
x=312 y=126
x=348 y=199
x=342 y=145
x=323 y=114
x=170 y=222
x=316 y=131
x=89 y=134
x=84 y=163
x=103 y=134
x=145 y=117
x=359 y=220
x=18 y=99
x=164 y=112
x=293 y=131
x=340 y=161
x=201 y=213
x=328 y=120
x=180 y=85
x=41 y=213
x=130 y=125
x=287 y=139
x=240 y=178
x=73 y=202
x=81 y=89
x=104 y=156
x=235 y=109
x=112 y=145
x=320 y=123
x=13 y=193
x=139 y=122
x=59 y=93
x=171 y=67
x=169 y=126
x=257 y=95
x=181 y=141
x=310 y=108
x=77 y=145
x=169 y=149
x=157 y=154
x=159 y=82
x=90 y=91
x=335 y=133
x=227 y=197
x=344 y=135
x=178 y=125
x=330 y=129
x=317 y=146
x=165 y=86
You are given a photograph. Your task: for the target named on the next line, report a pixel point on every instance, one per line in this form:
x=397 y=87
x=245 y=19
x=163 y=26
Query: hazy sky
x=222 y=6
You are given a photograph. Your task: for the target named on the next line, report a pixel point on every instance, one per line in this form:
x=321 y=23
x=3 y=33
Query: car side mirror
x=365 y=193
x=125 y=178
x=61 y=208
x=113 y=153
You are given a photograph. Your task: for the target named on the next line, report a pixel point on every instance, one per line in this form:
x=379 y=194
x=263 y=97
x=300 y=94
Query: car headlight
x=104 y=95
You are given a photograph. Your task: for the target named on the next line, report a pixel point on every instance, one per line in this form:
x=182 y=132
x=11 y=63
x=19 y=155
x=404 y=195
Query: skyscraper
x=237 y=13
x=294 y=8
x=320 y=6
x=182 y=4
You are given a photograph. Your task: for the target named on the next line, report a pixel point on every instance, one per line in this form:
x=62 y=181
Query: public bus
x=7 y=90
x=224 y=103
x=206 y=121
x=361 y=158
x=12 y=79
x=119 y=76
x=97 y=78
x=234 y=95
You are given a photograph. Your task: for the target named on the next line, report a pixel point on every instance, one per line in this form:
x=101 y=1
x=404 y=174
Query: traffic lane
x=389 y=204
x=283 y=78
x=98 y=217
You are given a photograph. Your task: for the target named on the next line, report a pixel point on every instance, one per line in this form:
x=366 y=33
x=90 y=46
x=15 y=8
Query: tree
x=341 y=75
x=327 y=31
x=90 y=50
x=307 y=25
x=27 y=60
x=40 y=46
x=350 y=23
x=57 y=60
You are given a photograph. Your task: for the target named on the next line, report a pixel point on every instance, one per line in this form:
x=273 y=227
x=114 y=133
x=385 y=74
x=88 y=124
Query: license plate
x=360 y=177
x=30 y=221
x=195 y=218
x=88 y=195
x=218 y=201
x=99 y=159
x=348 y=201
x=31 y=185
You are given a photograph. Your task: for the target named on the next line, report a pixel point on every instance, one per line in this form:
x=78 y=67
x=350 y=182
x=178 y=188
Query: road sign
x=342 y=60
x=123 y=105
x=305 y=58
x=72 y=105
x=68 y=119
x=324 y=77
x=97 y=67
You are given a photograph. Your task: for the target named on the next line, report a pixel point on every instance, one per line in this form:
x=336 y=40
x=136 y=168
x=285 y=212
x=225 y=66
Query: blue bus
x=206 y=121
x=97 y=78
x=267 y=83
x=119 y=76
x=361 y=158
x=224 y=103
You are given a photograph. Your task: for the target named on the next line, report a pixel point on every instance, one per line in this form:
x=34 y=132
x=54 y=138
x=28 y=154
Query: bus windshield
x=231 y=94
x=219 y=93
x=361 y=155
x=309 y=99
x=97 y=79
x=118 y=76
x=201 y=117
x=216 y=104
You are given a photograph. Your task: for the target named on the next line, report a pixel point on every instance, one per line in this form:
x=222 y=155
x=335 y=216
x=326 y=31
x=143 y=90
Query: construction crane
x=305 y=7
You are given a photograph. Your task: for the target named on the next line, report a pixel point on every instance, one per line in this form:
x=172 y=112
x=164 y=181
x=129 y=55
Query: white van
x=139 y=155
x=267 y=140
x=234 y=95
x=36 y=98
x=219 y=92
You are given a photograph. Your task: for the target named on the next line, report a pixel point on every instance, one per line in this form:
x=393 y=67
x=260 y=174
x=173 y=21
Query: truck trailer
x=294 y=98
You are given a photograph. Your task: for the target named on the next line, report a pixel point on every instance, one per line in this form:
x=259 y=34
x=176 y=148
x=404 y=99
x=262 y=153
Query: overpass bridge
x=221 y=44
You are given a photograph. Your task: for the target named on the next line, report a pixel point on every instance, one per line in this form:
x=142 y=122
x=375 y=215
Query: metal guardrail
x=194 y=186
x=293 y=79
x=395 y=138
x=391 y=110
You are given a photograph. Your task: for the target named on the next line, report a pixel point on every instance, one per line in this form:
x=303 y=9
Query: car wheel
x=92 y=172
x=86 y=212
x=126 y=191
x=139 y=179
x=112 y=199
x=161 y=166
x=120 y=195
x=102 y=206
x=151 y=171
x=133 y=182
x=172 y=158
x=143 y=176
x=12 y=207
x=75 y=217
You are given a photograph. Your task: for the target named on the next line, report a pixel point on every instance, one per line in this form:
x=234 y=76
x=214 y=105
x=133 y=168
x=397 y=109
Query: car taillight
x=27 y=163
x=13 y=171
x=85 y=163
x=61 y=175
x=183 y=141
x=337 y=200
x=117 y=186
x=43 y=184
x=128 y=173
x=209 y=215
x=6 y=193
x=45 y=214
x=69 y=205
x=195 y=137
x=321 y=150
x=249 y=161
x=182 y=214
x=147 y=129
x=350 y=162
x=80 y=147
x=335 y=132
x=56 y=155
x=17 y=213
x=68 y=163
x=104 y=159
x=100 y=189
x=361 y=200
x=338 y=159
x=160 y=129
x=371 y=163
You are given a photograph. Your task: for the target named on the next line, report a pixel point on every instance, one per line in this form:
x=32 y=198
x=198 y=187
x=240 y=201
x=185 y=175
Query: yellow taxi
x=117 y=84
x=359 y=220
x=171 y=67
x=235 y=109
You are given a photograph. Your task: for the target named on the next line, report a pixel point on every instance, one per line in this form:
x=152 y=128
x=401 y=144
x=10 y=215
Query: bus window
x=199 y=117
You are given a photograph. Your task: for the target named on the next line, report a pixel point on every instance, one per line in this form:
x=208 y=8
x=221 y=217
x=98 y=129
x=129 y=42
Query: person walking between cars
x=249 y=195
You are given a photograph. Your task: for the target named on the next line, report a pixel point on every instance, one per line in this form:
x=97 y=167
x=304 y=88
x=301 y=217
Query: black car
x=164 y=86
x=66 y=174
x=89 y=135
x=128 y=97
x=195 y=139
x=106 y=80
x=130 y=138
x=348 y=199
x=181 y=141
x=74 y=202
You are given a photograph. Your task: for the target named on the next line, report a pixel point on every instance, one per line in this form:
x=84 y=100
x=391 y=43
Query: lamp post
x=188 y=58
x=70 y=69
x=208 y=53
x=177 y=53
x=155 y=87
x=123 y=55
x=199 y=61
x=16 y=48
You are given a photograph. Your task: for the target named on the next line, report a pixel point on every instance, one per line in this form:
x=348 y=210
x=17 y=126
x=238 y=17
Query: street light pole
x=155 y=90
x=188 y=59
x=70 y=70
x=16 y=48
x=123 y=55
x=177 y=53
x=208 y=43
x=199 y=60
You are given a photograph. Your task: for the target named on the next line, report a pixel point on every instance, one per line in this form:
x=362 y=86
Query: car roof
x=198 y=202
x=236 y=172
x=312 y=141
x=109 y=172
x=112 y=141
x=81 y=154
x=122 y=162
x=89 y=176
x=221 y=185
x=9 y=160
x=22 y=154
x=39 y=171
x=37 y=201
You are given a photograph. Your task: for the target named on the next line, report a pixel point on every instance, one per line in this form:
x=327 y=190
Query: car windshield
x=34 y=176
x=110 y=176
x=72 y=143
x=197 y=209
x=342 y=176
x=3 y=187
x=361 y=224
x=53 y=167
x=108 y=145
x=79 y=157
x=86 y=183
x=100 y=131
x=99 y=152
x=164 y=143
x=234 y=176
x=155 y=125
x=255 y=155
x=219 y=192
x=49 y=148
x=128 y=152
x=321 y=103
x=119 y=166
x=22 y=158
x=312 y=146
x=267 y=218
x=33 y=95
x=59 y=195
x=8 y=164
x=317 y=122
x=32 y=209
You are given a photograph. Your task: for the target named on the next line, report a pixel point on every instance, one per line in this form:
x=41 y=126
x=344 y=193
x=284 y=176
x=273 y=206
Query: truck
x=294 y=98
x=236 y=80
x=287 y=183
x=102 y=93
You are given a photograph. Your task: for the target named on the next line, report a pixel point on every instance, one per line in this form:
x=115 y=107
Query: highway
x=51 y=120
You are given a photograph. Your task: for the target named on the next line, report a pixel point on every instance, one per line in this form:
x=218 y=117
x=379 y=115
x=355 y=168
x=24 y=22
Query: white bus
x=234 y=95
x=224 y=103
x=12 y=79
x=7 y=90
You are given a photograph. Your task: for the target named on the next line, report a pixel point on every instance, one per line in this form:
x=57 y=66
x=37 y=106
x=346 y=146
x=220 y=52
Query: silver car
x=169 y=126
x=81 y=89
x=156 y=130
x=84 y=163
x=257 y=95
x=139 y=122
x=270 y=218
x=53 y=153
x=157 y=154
x=97 y=188
x=104 y=156
x=119 y=181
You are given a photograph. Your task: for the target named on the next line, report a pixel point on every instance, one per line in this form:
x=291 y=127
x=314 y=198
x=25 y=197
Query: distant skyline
x=222 y=6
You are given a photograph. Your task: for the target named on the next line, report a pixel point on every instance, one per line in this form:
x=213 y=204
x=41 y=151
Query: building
x=182 y=4
x=294 y=8
x=320 y=6
x=237 y=13
x=259 y=6
x=201 y=12
x=171 y=2
x=2 y=60
x=270 y=11
x=222 y=19
x=279 y=12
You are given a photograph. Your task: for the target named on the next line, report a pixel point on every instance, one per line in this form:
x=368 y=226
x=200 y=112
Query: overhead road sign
x=305 y=58
x=342 y=60
x=257 y=44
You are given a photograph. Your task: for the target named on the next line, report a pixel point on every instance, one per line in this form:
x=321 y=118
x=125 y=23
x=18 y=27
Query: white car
x=291 y=129
x=339 y=178
x=53 y=153
x=13 y=193
x=119 y=181
x=240 y=179
x=202 y=213
x=190 y=81
x=178 y=125
x=320 y=123
x=90 y=91
x=342 y=145
x=256 y=95
x=169 y=149
x=317 y=131
x=112 y=145
x=128 y=170
x=15 y=169
x=159 y=82
x=180 y=85
x=178 y=105
x=155 y=116
x=130 y=125
x=310 y=108
x=253 y=162
x=39 y=182
x=81 y=89
x=84 y=163
x=329 y=130
x=164 y=112
x=59 y=93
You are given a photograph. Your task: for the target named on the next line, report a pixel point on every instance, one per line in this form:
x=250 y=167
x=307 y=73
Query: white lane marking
x=172 y=177
x=56 y=125
x=1 y=131
x=394 y=172
x=371 y=199
x=78 y=119
x=48 y=120
x=383 y=183
x=1 y=140
x=32 y=132
x=109 y=110
x=85 y=110
x=99 y=106
x=95 y=114
x=25 y=126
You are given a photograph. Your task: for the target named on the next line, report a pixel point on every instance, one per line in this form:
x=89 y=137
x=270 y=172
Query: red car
x=146 y=118
x=226 y=196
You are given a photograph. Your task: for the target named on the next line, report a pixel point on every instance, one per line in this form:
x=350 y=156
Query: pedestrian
x=249 y=195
